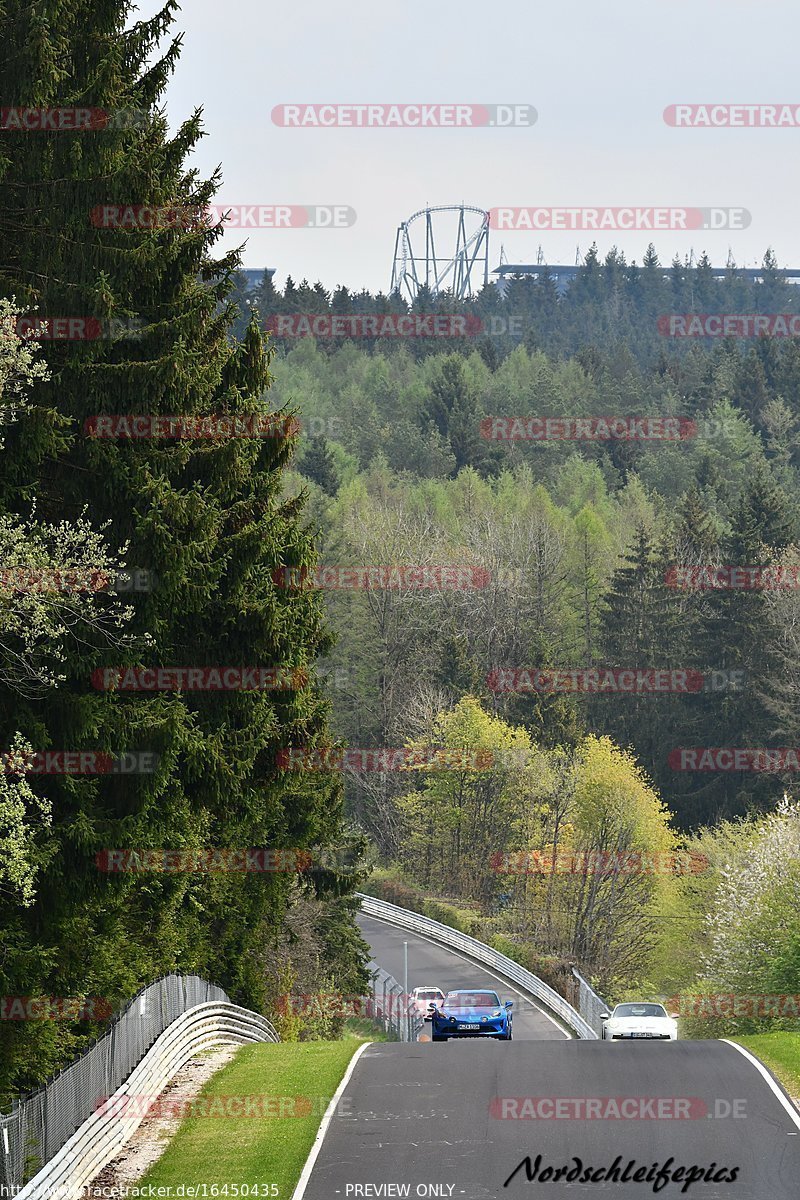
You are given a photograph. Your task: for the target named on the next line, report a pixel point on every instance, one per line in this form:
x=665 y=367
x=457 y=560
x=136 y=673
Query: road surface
x=430 y=964
x=428 y=1121
x=547 y=1115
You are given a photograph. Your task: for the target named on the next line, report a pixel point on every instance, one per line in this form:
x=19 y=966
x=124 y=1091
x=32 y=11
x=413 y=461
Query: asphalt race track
x=421 y=1114
x=452 y=1120
x=430 y=964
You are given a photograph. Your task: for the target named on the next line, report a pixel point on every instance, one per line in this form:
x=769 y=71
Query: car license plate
x=644 y=1035
x=469 y=1027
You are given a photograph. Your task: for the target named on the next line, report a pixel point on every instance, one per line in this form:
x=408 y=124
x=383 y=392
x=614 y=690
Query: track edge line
x=772 y=1082
x=316 y=1146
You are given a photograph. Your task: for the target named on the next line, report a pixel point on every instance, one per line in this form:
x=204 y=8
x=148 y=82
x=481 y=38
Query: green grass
x=262 y=1149
x=780 y=1052
x=365 y=1030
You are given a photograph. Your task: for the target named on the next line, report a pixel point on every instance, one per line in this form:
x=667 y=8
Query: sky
x=599 y=76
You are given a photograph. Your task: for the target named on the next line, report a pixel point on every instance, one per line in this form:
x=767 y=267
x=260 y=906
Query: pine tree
x=267 y=297
x=319 y=464
x=735 y=636
x=205 y=516
x=751 y=387
x=453 y=409
x=641 y=628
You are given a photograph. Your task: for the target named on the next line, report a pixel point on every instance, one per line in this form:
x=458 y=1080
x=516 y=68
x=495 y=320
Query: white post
x=405 y=986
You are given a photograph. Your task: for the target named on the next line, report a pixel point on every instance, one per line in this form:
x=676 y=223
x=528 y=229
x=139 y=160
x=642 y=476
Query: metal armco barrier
x=590 y=1004
x=445 y=936
x=103 y=1135
x=390 y=1006
x=55 y=1136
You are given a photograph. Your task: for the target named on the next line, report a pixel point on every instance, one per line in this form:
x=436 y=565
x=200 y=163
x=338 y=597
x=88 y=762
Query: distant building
x=564 y=275
x=254 y=275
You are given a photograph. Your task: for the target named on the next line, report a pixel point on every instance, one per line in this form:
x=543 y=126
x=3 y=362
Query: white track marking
x=784 y=1100
x=472 y=963
x=305 y=1174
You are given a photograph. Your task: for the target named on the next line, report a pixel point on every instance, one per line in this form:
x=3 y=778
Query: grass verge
x=781 y=1053
x=261 y=1149
x=365 y=1030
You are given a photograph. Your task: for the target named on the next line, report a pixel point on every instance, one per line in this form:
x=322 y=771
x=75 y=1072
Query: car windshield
x=428 y=994
x=639 y=1010
x=473 y=1000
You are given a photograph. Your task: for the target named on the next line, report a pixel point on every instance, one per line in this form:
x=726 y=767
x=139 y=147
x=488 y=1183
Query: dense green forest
x=580 y=539
x=581 y=544
x=571 y=548
x=206 y=519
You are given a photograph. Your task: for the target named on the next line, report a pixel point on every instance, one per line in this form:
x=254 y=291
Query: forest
x=519 y=592
x=671 y=561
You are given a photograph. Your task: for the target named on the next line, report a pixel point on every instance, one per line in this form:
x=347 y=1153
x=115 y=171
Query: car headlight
x=499 y=1013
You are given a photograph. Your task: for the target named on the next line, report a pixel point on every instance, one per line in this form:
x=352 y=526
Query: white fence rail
x=590 y=1004
x=104 y=1134
x=480 y=952
x=392 y=1007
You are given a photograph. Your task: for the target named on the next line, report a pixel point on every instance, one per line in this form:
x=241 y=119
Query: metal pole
x=405 y=967
x=405 y=988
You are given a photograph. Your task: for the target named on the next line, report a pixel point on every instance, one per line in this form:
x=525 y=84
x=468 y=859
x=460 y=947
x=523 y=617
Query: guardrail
x=102 y=1136
x=480 y=952
x=590 y=1005
x=392 y=1007
x=42 y=1121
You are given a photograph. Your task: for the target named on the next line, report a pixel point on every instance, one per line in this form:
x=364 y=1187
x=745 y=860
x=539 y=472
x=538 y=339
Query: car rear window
x=639 y=1010
x=473 y=999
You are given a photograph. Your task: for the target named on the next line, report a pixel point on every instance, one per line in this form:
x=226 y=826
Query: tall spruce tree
x=641 y=628
x=205 y=516
x=736 y=636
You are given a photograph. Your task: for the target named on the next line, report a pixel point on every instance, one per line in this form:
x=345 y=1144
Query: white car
x=423 y=996
x=629 y=1021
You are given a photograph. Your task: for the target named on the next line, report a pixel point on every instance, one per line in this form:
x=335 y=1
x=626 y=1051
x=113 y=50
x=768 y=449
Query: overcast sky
x=599 y=76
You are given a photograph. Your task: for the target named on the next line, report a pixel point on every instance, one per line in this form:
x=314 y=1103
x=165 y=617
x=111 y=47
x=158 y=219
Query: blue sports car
x=470 y=1014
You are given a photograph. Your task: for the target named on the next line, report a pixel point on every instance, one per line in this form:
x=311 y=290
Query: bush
x=553 y=971
x=465 y=920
